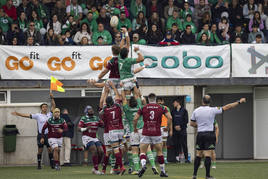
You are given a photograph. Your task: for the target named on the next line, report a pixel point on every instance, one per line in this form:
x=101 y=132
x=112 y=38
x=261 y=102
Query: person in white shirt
x=83 y=32
x=41 y=119
x=203 y=119
x=75 y=10
x=55 y=24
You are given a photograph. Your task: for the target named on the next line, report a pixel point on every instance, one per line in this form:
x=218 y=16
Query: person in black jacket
x=187 y=37
x=67 y=136
x=179 y=122
x=154 y=35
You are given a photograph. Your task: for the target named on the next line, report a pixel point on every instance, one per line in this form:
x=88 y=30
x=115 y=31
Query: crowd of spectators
x=154 y=22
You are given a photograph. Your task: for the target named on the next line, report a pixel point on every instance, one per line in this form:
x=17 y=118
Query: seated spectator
x=186 y=11
x=238 y=32
x=238 y=40
x=95 y=12
x=199 y=11
x=249 y=9
x=258 y=39
x=60 y=11
x=22 y=21
x=154 y=19
x=197 y=2
x=187 y=36
x=10 y=10
x=55 y=24
x=236 y=12
x=252 y=35
x=214 y=39
x=220 y=9
x=121 y=5
x=31 y=41
x=109 y=7
x=117 y=39
x=204 y=40
x=256 y=20
x=136 y=39
x=51 y=38
x=206 y=19
x=103 y=19
x=75 y=10
x=124 y=22
x=100 y=41
x=5 y=21
x=154 y=35
x=22 y=7
x=223 y=27
x=38 y=23
x=169 y=9
x=204 y=30
x=15 y=31
x=84 y=41
x=2 y=37
x=137 y=6
x=40 y=9
x=188 y=21
x=14 y=41
x=142 y=31
x=153 y=6
x=139 y=21
x=83 y=32
x=33 y=32
x=70 y=25
x=168 y=40
x=66 y=39
x=90 y=21
x=174 y=19
x=107 y=38
x=175 y=33
x=265 y=8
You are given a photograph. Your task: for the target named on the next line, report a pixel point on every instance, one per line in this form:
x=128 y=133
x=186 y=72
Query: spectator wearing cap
x=107 y=38
x=137 y=6
x=75 y=10
x=90 y=21
x=139 y=21
x=83 y=32
x=124 y=22
x=249 y=9
x=60 y=11
x=10 y=10
x=100 y=41
x=186 y=10
x=15 y=31
x=252 y=35
x=204 y=30
x=55 y=24
x=256 y=20
x=169 y=9
x=199 y=11
x=238 y=32
x=33 y=32
x=175 y=33
x=168 y=40
x=258 y=39
x=187 y=36
x=236 y=12
x=174 y=19
x=5 y=21
x=188 y=21
x=120 y=4
x=70 y=25
x=104 y=19
x=136 y=39
x=154 y=35
x=214 y=39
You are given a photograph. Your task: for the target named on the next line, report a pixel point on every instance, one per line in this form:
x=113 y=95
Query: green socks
x=130 y=159
x=136 y=162
x=165 y=154
x=151 y=158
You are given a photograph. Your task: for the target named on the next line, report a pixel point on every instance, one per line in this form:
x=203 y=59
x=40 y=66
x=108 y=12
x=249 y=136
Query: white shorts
x=116 y=83
x=164 y=134
x=128 y=84
x=106 y=139
x=86 y=139
x=55 y=142
x=135 y=138
x=151 y=139
x=116 y=135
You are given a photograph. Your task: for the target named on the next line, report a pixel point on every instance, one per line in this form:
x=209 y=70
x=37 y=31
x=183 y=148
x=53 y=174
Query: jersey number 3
x=152 y=115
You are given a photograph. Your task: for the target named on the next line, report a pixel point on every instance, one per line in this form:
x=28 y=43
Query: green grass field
x=225 y=170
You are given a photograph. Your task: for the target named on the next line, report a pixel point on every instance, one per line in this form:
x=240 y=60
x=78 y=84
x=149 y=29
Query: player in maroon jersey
x=56 y=125
x=151 y=132
x=112 y=117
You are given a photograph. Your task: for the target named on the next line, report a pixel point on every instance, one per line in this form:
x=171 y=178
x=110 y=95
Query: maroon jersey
x=112 y=117
x=113 y=67
x=92 y=122
x=152 y=115
x=53 y=126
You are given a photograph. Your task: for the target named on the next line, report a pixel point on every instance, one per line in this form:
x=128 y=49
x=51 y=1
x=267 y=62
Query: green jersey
x=130 y=114
x=126 y=68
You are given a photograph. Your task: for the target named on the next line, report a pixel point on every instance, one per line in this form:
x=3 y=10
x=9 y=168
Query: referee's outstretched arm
x=232 y=105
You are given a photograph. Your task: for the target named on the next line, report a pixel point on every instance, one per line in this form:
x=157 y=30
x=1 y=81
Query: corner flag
x=56 y=85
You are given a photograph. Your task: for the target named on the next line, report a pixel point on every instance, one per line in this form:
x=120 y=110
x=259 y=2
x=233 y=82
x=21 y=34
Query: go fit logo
x=54 y=63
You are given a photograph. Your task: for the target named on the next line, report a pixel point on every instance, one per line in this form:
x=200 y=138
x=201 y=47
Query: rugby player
x=56 y=126
x=41 y=119
x=151 y=132
x=88 y=125
x=203 y=119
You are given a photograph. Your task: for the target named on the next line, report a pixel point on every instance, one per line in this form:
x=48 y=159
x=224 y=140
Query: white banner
x=249 y=60
x=74 y=62
x=189 y=61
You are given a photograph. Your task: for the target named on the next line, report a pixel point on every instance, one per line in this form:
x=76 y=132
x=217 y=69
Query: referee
x=203 y=119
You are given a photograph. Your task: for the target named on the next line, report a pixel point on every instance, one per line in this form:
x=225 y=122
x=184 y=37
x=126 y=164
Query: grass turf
x=225 y=170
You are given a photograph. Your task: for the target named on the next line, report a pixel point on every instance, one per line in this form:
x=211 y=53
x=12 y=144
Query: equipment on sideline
x=114 y=21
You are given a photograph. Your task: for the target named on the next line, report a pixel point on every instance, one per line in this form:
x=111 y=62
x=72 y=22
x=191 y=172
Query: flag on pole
x=56 y=85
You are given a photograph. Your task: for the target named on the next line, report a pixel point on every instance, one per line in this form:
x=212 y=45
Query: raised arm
x=94 y=83
x=103 y=73
x=15 y=113
x=234 y=104
x=137 y=70
x=53 y=104
x=140 y=56
x=124 y=99
x=117 y=95
x=104 y=96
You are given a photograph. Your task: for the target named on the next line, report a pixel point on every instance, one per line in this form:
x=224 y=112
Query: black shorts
x=39 y=136
x=205 y=141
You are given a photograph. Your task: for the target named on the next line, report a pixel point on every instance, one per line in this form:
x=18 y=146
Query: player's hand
x=135 y=130
x=111 y=84
x=242 y=100
x=178 y=128
x=60 y=131
x=14 y=113
x=136 y=49
x=42 y=140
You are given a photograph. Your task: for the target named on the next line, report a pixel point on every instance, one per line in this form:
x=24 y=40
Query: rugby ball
x=114 y=21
